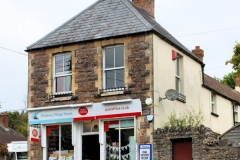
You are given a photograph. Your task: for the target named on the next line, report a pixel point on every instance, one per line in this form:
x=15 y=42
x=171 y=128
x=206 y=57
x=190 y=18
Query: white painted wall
x=197 y=97
x=224 y=109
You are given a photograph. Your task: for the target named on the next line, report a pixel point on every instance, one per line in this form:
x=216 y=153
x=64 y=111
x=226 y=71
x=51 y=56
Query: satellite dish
x=172 y=94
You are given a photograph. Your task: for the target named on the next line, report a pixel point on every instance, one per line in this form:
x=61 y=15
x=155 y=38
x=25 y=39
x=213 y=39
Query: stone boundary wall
x=205 y=144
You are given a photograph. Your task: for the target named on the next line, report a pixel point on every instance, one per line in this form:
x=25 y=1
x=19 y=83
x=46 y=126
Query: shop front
x=90 y=131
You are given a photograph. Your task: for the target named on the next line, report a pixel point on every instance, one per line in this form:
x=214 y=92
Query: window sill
x=111 y=93
x=214 y=114
x=182 y=98
x=58 y=99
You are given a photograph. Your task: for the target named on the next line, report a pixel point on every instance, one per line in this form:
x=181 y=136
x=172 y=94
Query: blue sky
x=213 y=25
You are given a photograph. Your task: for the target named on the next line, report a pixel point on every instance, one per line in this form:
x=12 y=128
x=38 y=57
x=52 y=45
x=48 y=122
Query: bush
x=190 y=117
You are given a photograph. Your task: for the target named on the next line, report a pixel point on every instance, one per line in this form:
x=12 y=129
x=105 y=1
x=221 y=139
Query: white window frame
x=235 y=113
x=178 y=65
x=213 y=103
x=108 y=69
x=61 y=74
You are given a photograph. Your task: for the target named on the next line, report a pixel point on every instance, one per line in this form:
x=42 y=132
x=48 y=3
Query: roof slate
x=8 y=134
x=221 y=89
x=105 y=19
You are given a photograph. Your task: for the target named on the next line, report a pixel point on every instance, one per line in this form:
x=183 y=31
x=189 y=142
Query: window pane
x=120 y=78
x=68 y=63
x=21 y=155
x=66 y=138
x=236 y=117
x=110 y=79
x=212 y=98
x=112 y=143
x=127 y=123
x=58 y=64
x=119 y=61
x=64 y=84
x=178 y=84
x=109 y=57
x=128 y=146
x=95 y=126
x=68 y=83
x=213 y=110
x=86 y=127
x=52 y=139
x=60 y=84
x=178 y=66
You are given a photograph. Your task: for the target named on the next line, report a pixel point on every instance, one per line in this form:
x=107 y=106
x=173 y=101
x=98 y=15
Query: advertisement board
x=145 y=151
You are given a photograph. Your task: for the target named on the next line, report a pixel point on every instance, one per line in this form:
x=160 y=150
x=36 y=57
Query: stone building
x=97 y=83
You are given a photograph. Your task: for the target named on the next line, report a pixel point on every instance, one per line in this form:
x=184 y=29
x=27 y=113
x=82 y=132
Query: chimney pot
x=197 y=47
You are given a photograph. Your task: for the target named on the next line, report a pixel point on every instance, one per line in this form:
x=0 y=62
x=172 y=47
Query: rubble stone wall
x=205 y=144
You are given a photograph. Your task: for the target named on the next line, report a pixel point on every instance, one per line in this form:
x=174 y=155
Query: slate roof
x=235 y=133
x=7 y=135
x=222 y=90
x=105 y=19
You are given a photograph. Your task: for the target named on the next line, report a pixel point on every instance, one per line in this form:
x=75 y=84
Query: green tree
x=18 y=121
x=235 y=60
x=229 y=80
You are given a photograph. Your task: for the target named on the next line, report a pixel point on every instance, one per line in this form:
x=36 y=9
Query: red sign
x=83 y=111
x=35 y=132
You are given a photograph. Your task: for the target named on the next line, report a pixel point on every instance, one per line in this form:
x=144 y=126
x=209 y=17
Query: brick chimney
x=4 y=119
x=198 y=52
x=237 y=84
x=147 y=5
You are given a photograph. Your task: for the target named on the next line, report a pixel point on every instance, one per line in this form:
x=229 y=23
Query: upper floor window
x=213 y=97
x=113 y=67
x=63 y=73
x=235 y=113
x=178 y=74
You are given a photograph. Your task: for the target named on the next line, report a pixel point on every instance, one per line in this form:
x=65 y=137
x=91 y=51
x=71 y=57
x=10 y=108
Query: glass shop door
x=90 y=141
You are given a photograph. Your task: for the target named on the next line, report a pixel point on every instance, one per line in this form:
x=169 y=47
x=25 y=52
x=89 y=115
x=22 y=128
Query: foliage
x=218 y=79
x=18 y=121
x=3 y=150
x=235 y=60
x=190 y=117
x=229 y=80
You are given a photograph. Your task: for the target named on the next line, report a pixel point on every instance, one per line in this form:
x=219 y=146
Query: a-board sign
x=145 y=151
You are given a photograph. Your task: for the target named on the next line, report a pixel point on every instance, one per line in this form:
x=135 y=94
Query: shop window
x=120 y=143
x=59 y=142
x=114 y=68
x=62 y=74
